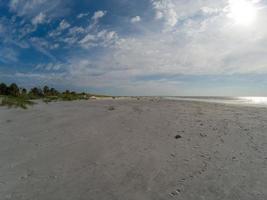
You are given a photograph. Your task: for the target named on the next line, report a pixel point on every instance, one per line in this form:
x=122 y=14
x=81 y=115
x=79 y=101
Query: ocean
x=248 y=101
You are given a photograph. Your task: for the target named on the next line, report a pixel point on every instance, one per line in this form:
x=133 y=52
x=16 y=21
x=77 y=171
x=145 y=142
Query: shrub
x=16 y=102
x=36 y=93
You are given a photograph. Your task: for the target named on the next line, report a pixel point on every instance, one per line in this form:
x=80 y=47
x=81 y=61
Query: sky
x=136 y=47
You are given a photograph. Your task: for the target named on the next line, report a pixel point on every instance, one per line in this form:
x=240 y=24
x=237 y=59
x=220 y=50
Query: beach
x=130 y=149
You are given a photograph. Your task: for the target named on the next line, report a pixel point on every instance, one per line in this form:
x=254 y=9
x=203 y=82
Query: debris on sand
x=203 y=135
x=176 y=192
x=111 y=108
x=178 y=137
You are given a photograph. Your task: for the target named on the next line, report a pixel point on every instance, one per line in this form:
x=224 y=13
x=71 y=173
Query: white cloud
x=49 y=66
x=31 y=8
x=42 y=46
x=165 y=10
x=136 y=19
x=209 y=10
x=8 y=55
x=76 y=30
x=92 y=35
x=207 y=44
x=12 y=35
x=99 y=14
x=70 y=40
x=64 y=25
x=41 y=78
x=39 y=19
x=102 y=38
x=88 y=38
x=171 y=12
x=81 y=15
x=191 y=38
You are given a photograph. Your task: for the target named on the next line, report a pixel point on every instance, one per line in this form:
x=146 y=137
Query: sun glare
x=243 y=12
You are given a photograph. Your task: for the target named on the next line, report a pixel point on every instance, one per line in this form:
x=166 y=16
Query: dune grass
x=65 y=97
x=14 y=96
x=16 y=102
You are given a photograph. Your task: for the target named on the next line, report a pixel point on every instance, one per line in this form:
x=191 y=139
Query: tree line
x=14 y=90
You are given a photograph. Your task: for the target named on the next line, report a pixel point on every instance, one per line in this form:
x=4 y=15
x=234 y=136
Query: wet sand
x=133 y=150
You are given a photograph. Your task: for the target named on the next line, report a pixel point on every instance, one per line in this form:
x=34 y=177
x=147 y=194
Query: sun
x=243 y=12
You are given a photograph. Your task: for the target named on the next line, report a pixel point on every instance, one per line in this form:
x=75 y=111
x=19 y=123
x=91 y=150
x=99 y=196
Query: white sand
x=84 y=151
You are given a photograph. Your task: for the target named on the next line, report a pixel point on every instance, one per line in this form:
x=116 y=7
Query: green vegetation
x=14 y=96
x=65 y=97
x=16 y=102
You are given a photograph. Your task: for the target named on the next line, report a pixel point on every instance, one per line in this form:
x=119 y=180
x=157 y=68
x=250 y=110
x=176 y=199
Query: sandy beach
x=147 y=149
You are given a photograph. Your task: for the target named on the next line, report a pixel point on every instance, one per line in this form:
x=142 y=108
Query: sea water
x=252 y=101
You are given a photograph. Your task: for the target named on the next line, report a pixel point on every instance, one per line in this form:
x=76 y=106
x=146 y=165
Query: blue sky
x=136 y=47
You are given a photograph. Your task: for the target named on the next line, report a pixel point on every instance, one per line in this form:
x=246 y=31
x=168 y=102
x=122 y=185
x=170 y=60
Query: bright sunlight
x=243 y=12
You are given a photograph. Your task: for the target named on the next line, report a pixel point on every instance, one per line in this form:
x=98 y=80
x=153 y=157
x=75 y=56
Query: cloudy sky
x=136 y=47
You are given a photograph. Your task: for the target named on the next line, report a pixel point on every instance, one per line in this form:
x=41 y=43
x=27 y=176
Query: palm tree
x=37 y=92
x=23 y=91
x=13 y=90
x=53 y=92
x=46 y=90
x=3 y=89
